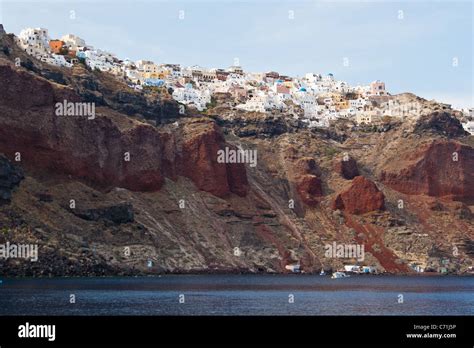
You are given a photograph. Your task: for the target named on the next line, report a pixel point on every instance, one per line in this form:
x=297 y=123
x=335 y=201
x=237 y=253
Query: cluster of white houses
x=321 y=98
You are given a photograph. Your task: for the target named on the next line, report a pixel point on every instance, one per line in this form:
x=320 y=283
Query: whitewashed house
x=307 y=101
x=189 y=95
x=74 y=42
x=59 y=60
x=341 y=87
x=146 y=66
x=133 y=75
x=358 y=103
x=98 y=59
x=313 y=78
x=35 y=42
x=259 y=103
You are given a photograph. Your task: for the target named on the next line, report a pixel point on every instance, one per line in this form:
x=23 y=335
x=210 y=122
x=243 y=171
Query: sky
x=419 y=46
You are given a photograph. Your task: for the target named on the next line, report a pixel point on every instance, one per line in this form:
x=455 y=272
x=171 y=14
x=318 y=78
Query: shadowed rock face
x=304 y=173
x=118 y=214
x=99 y=89
x=309 y=189
x=362 y=197
x=201 y=143
x=10 y=177
x=347 y=168
x=440 y=168
x=440 y=123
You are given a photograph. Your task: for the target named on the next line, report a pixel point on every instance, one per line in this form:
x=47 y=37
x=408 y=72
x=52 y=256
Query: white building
x=261 y=102
x=59 y=60
x=351 y=268
x=328 y=78
x=341 y=87
x=147 y=67
x=283 y=94
x=236 y=79
x=133 y=75
x=73 y=41
x=256 y=77
x=189 y=95
x=35 y=42
x=469 y=127
x=312 y=77
x=97 y=59
x=307 y=101
x=357 y=103
x=468 y=112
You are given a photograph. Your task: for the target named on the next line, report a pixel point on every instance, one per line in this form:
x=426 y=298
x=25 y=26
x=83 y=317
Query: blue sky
x=412 y=54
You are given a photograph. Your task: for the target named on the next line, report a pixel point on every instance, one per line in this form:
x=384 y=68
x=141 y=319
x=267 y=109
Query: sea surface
x=240 y=295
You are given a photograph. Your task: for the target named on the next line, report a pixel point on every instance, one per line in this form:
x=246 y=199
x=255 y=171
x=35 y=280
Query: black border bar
x=207 y=330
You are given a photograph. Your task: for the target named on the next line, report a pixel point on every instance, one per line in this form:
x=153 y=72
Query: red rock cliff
x=201 y=144
x=304 y=174
x=95 y=150
x=440 y=168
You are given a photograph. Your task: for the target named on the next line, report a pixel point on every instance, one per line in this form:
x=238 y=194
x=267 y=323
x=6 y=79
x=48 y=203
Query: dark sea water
x=240 y=295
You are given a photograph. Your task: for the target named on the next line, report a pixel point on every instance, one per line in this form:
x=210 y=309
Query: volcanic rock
x=118 y=214
x=442 y=123
x=347 y=168
x=103 y=152
x=304 y=173
x=309 y=188
x=10 y=177
x=440 y=168
x=363 y=196
x=73 y=157
x=202 y=141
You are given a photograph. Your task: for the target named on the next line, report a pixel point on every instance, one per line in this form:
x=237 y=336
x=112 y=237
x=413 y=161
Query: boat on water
x=338 y=275
x=322 y=272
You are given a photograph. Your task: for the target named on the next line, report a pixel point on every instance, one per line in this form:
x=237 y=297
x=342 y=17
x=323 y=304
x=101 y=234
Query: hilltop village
x=318 y=98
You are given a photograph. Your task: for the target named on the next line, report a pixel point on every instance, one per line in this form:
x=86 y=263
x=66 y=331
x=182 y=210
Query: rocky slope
x=138 y=189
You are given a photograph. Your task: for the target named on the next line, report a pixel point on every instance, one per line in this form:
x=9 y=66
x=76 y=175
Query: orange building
x=56 y=46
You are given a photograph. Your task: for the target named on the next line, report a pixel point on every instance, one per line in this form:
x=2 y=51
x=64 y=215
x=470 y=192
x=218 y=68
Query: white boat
x=322 y=272
x=337 y=275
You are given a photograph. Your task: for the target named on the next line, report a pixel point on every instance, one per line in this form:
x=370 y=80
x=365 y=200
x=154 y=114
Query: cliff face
x=199 y=162
x=309 y=188
x=100 y=151
x=157 y=189
x=10 y=177
x=304 y=172
x=440 y=168
x=90 y=150
x=439 y=122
